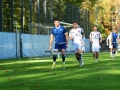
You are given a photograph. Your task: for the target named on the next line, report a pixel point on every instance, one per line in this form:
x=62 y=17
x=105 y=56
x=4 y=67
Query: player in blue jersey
x=61 y=41
x=114 y=40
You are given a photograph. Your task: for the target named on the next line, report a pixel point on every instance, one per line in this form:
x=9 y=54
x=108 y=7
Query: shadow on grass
x=38 y=75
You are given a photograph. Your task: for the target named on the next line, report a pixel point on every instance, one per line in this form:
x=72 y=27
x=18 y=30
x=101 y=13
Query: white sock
x=111 y=53
x=116 y=52
x=81 y=53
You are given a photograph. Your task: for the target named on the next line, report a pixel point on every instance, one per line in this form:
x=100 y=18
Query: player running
x=61 y=41
x=114 y=41
x=76 y=34
x=108 y=41
x=95 y=39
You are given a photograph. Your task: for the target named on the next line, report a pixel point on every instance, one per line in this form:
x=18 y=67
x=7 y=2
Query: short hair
x=56 y=19
x=115 y=29
x=75 y=21
x=94 y=26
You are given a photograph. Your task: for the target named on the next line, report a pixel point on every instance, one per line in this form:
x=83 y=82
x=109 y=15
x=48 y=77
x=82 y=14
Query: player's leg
x=94 y=53
x=111 y=52
x=80 y=60
x=82 y=52
x=110 y=46
x=77 y=55
x=116 y=53
x=74 y=49
x=77 y=50
x=54 y=55
x=97 y=54
x=63 y=47
x=63 y=58
x=114 y=50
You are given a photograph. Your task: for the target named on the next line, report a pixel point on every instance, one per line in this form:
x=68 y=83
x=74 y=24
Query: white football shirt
x=95 y=38
x=76 y=34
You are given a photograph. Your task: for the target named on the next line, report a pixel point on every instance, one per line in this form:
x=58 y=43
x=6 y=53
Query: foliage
x=102 y=13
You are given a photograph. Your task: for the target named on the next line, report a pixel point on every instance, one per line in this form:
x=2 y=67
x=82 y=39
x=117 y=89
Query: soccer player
x=108 y=41
x=95 y=39
x=76 y=34
x=61 y=41
x=114 y=41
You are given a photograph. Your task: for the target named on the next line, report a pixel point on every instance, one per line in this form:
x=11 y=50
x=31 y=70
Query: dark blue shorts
x=114 y=45
x=60 y=46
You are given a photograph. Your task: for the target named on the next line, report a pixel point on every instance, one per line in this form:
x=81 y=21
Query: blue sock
x=54 y=58
x=63 y=58
x=113 y=52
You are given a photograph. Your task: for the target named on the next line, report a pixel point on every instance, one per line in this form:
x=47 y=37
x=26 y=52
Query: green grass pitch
x=26 y=74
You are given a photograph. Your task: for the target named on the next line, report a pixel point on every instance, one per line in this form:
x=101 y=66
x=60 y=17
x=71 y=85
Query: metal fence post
x=22 y=14
x=1 y=17
x=12 y=15
x=30 y=25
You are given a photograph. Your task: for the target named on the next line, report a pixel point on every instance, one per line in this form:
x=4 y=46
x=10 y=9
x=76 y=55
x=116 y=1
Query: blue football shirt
x=59 y=34
x=114 y=37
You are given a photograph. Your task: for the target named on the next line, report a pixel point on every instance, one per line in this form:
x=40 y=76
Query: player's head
x=95 y=27
x=115 y=30
x=56 y=22
x=75 y=24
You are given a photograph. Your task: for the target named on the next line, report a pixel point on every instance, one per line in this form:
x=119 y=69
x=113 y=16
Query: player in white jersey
x=76 y=35
x=109 y=43
x=95 y=39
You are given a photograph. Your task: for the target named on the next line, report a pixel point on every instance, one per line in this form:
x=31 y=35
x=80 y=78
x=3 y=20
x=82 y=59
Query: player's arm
x=90 y=37
x=82 y=32
x=70 y=35
x=51 y=41
x=100 y=38
x=107 y=40
x=66 y=35
x=117 y=39
x=111 y=40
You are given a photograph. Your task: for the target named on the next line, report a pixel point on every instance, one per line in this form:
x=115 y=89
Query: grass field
x=28 y=74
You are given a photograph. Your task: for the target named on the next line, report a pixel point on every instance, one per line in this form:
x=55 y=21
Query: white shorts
x=95 y=49
x=110 y=46
x=77 y=47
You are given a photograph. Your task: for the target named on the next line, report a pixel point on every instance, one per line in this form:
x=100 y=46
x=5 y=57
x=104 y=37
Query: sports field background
x=26 y=74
